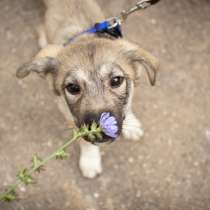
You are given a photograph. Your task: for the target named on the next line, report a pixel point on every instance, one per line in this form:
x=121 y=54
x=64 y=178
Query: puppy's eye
x=115 y=82
x=74 y=89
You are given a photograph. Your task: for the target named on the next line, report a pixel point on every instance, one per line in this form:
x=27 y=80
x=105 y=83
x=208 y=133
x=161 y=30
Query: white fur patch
x=132 y=128
x=90 y=160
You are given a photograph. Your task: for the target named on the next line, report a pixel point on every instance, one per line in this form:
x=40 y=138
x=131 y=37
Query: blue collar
x=112 y=26
x=109 y=27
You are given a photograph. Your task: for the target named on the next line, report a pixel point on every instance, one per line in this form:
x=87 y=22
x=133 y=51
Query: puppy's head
x=94 y=76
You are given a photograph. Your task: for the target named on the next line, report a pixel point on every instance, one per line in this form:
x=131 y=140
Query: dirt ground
x=168 y=169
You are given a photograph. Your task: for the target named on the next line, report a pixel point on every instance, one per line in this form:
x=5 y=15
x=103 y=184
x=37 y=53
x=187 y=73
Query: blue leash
x=112 y=26
x=100 y=28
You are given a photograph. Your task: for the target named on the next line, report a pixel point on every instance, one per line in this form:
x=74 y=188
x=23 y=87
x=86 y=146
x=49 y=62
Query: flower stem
x=25 y=175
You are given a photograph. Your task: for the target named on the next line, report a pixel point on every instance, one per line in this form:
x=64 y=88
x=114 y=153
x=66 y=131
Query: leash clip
x=142 y=4
x=113 y=24
x=112 y=27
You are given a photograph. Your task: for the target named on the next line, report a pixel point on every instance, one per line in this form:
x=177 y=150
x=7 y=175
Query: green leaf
x=92 y=137
x=25 y=177
x=9 y=196
x=37 y=163
x=61 y=154
x=93 y=126
x=99 y=135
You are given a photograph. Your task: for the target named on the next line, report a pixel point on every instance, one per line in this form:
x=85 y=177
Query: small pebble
x=13 y=50
x=9 y=35
x=49 y=144
x=155 y=106
x=116 y=166
x=153 y=21
x=22 y=84
x=22 y=189
x=196 y=164
x=165 y=113
x=138 y=194
x=96 y=195
x=170 y=142
x=140 y=157
x=130 y=160
x=160 y=162
x=208 y=134
x=163 y=50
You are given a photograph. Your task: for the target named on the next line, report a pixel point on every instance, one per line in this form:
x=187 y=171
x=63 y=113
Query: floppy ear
x=42 y=65
x=138 y=58
x=45 y=62
x=149 y=63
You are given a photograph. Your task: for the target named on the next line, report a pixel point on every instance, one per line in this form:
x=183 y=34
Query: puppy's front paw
x=132 y=128
x=90 y=166
x=90 y=163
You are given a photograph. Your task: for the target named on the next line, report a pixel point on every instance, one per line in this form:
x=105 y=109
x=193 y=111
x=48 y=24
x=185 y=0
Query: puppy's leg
x=132 y=128
x=90 y=159
x=42 y=38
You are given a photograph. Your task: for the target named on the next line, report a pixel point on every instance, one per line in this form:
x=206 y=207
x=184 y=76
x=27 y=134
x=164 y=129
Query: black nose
x=89 y=118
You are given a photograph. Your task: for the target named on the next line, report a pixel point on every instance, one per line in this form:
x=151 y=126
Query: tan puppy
x=91 y=75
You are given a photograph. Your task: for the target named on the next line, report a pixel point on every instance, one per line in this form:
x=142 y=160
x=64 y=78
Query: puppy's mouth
x=104 y=139
x=101 y=137
x=107 y=129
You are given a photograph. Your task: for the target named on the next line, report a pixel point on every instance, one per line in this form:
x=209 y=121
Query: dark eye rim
x=118 y=81
x=73 y=88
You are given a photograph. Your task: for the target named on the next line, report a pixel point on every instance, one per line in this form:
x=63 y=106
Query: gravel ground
x=168 y=169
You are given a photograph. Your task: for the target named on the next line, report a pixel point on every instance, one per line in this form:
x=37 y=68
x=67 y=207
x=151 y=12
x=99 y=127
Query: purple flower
x=108 y=124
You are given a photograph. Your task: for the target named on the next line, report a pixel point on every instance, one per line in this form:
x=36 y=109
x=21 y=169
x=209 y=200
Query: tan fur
x=90 y=61
x=64 y=18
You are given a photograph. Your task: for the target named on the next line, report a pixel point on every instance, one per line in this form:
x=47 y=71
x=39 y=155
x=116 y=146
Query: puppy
x=90 y=75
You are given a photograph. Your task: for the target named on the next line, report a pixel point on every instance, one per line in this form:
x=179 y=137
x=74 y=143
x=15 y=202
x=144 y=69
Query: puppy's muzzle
x=93 y=117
